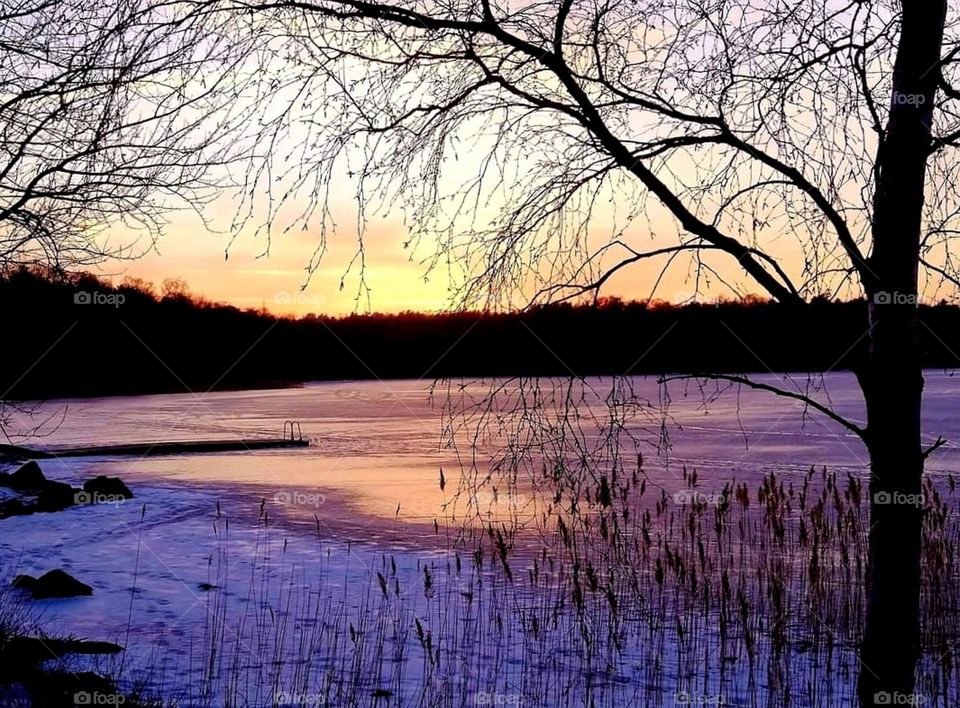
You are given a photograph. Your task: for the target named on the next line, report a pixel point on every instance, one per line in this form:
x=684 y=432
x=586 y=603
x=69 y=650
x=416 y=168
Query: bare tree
x=106 y=122
x=801 y=149
x=111 y=116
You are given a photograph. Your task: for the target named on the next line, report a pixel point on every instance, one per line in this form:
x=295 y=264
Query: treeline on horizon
x=57 y=345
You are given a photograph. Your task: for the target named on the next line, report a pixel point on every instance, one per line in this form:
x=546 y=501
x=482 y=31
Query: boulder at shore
x=32 y=651
x=55 y=496
x=13 y=507
x=26 y=479
x=29 y=479
x=21 y=664
x=56 y=583
x=108 y=486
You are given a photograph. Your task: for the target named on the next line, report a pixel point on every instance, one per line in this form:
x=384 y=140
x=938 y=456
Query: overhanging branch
x=750 y=383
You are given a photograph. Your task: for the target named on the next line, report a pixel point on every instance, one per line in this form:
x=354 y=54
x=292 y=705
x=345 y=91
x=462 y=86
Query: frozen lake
x=367 y=489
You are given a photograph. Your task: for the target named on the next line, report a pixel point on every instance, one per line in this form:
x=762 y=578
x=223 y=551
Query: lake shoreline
x=221 y=560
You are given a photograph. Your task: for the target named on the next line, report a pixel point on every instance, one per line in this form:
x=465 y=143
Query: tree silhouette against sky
x=798 y=149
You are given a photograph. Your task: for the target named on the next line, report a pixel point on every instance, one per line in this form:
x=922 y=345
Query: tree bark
x=892 y=379
x=891 y=642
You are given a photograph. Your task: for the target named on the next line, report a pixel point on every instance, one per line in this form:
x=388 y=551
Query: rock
x=28 y=478
x=24 y=581
x=14 y=507
x=108 y=486
x=22 y=662
x=66 y=688
x=31 y=651
x=55 y=496
x=55 y=583
x=21 y=656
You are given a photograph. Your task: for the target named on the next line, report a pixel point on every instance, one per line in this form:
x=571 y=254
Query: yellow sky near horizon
x=250 y=278
x=397 y=278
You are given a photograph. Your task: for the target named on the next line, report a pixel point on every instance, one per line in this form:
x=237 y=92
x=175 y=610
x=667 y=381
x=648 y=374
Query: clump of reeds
x=619 y=596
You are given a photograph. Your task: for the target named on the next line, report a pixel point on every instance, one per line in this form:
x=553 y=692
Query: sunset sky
x=188 y=249
x=250 y=278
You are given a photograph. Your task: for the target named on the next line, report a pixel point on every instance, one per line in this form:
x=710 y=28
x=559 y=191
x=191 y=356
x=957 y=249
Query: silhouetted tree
x=111 y=116
x=105 y=122
x=788 y=145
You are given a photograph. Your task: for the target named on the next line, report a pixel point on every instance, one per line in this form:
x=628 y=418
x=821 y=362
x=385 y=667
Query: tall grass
x=753 y=598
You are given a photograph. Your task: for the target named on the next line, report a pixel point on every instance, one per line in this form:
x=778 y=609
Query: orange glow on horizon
x=395 y=279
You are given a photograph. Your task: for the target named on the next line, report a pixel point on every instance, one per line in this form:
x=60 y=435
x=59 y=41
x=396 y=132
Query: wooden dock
x=157 y=448
x=177 y=447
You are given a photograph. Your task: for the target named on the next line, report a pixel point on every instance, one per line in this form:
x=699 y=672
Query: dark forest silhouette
x=174 y=341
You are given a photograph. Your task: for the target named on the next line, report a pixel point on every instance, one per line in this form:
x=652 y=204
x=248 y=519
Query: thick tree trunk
x=891 y=643
x=892 y=380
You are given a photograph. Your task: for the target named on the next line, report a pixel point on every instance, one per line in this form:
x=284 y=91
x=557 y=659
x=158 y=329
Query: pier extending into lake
x=176 y=447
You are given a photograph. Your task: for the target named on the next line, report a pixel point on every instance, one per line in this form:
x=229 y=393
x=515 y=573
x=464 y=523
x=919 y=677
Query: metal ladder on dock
x=291 y=424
